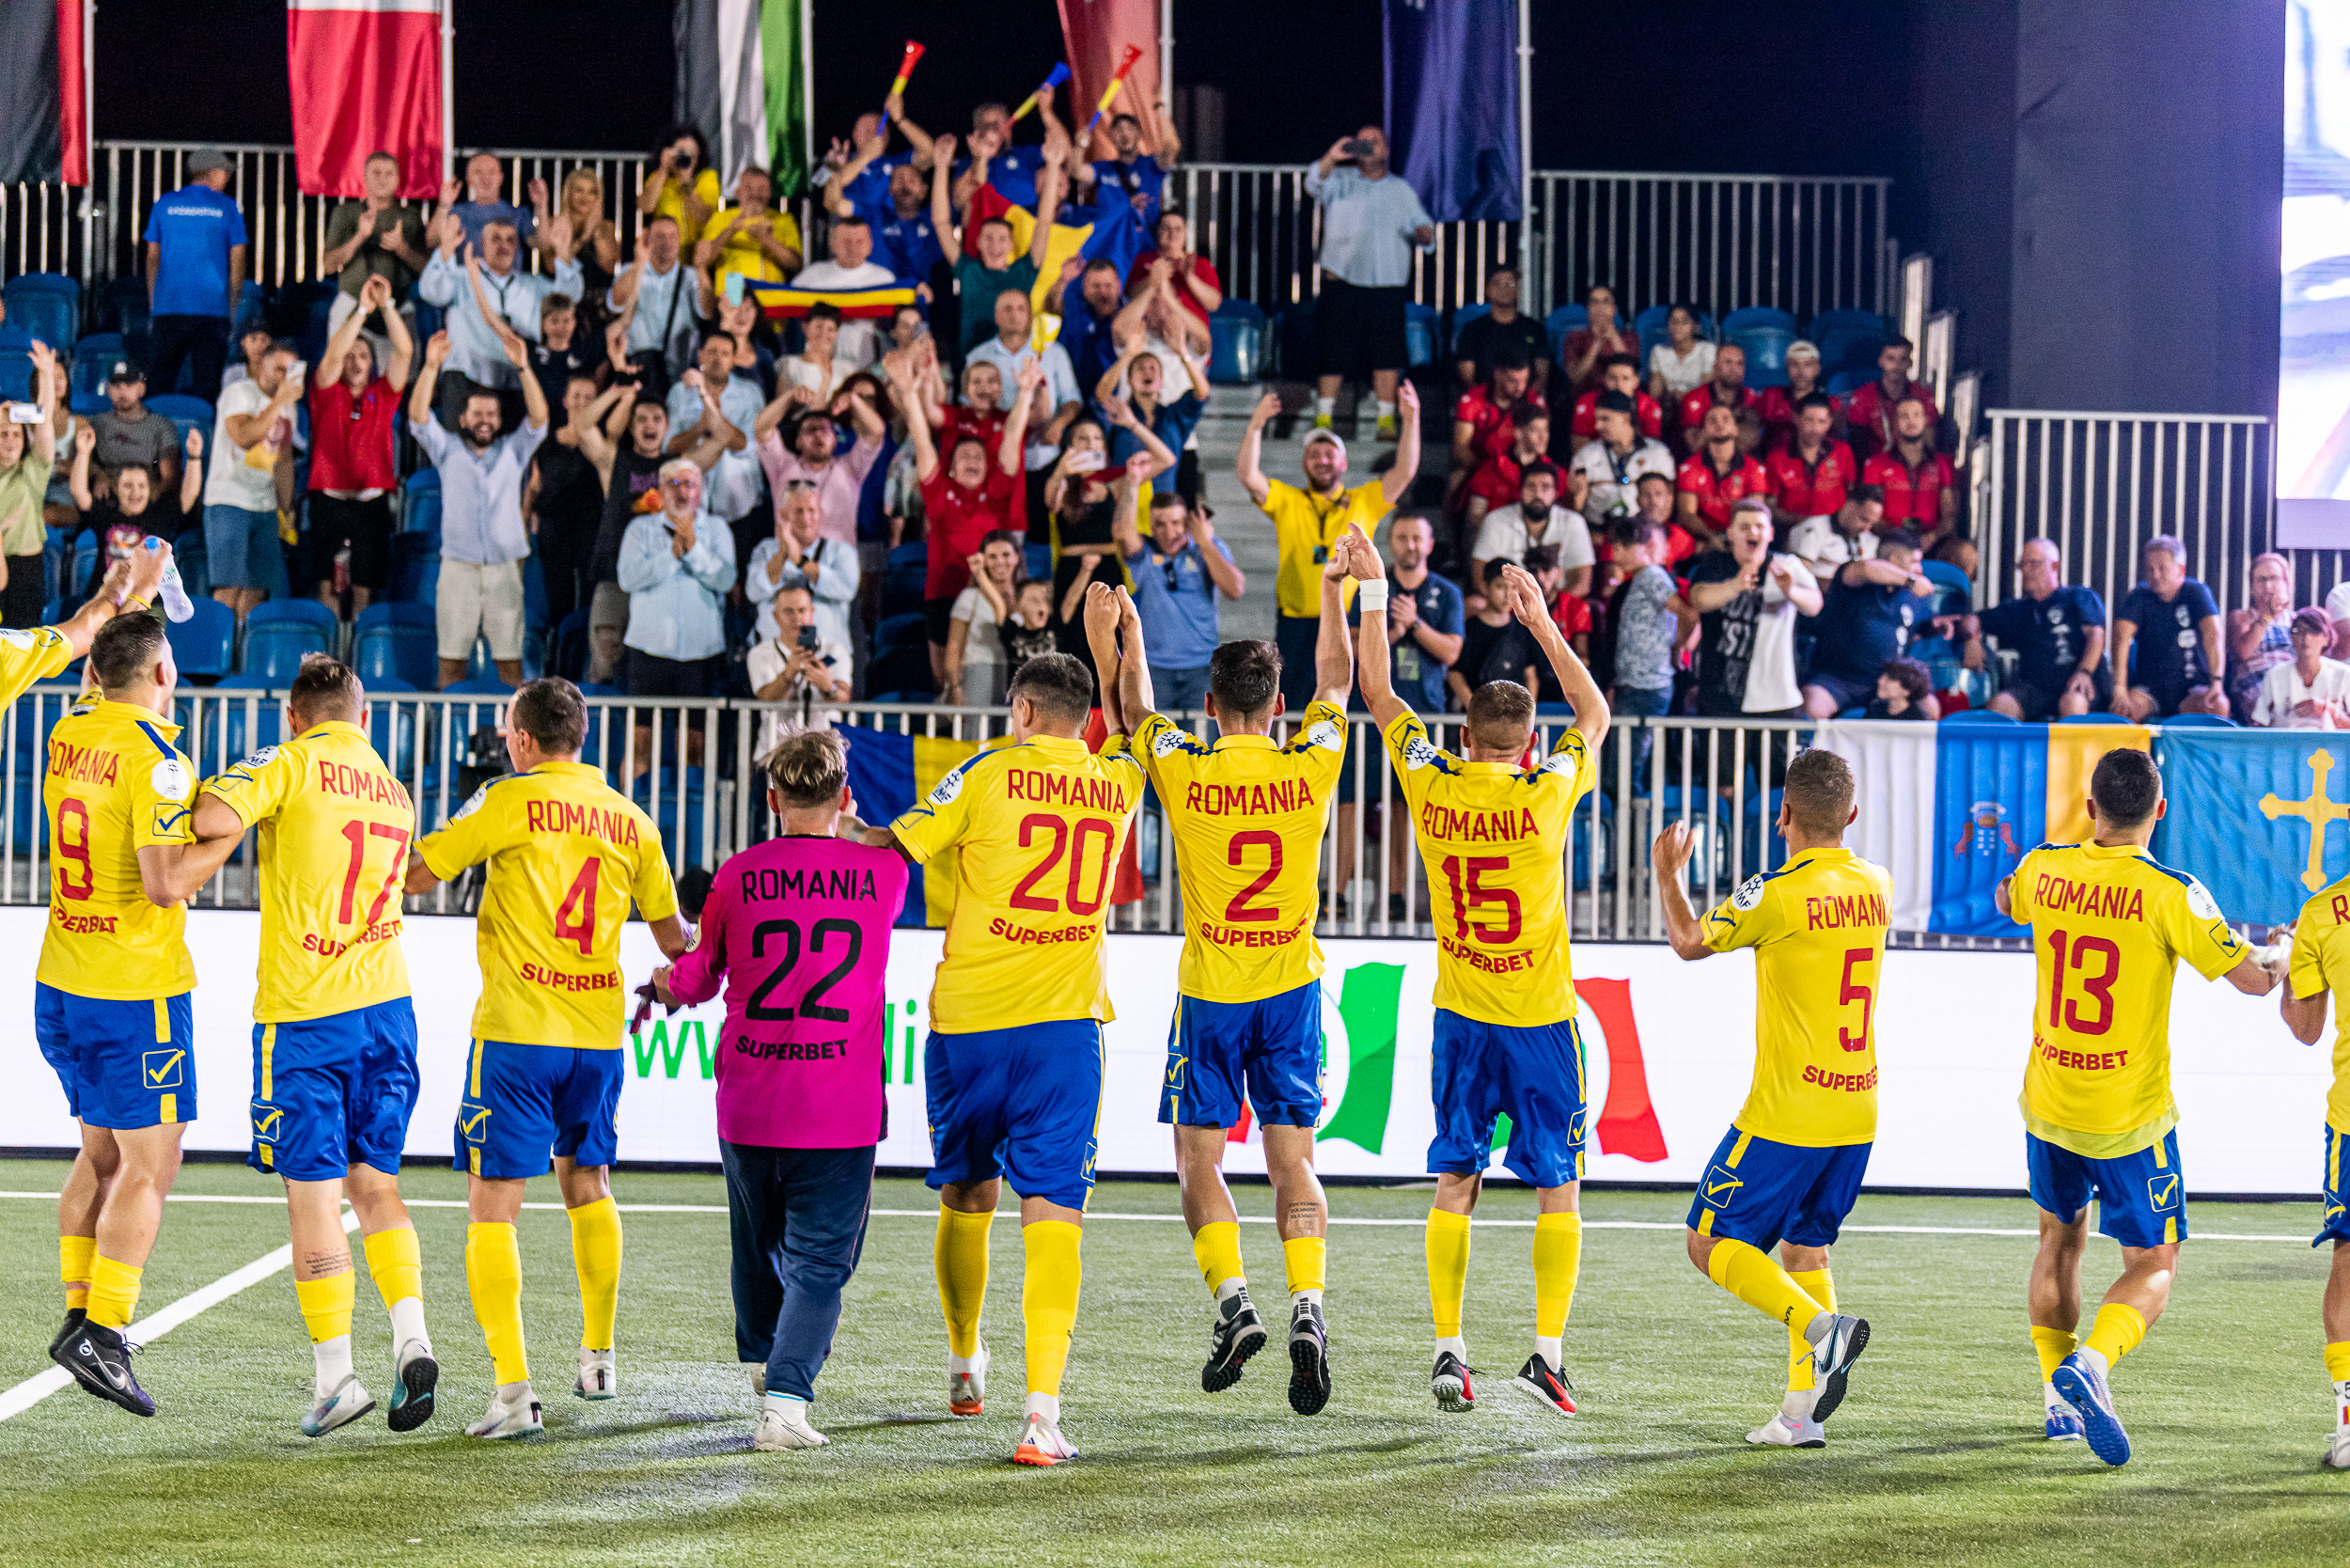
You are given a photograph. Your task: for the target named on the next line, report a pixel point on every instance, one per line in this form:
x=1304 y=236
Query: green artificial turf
x=1936 y=1457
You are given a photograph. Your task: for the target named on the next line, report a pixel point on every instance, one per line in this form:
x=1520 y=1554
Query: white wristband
x=1373 y=595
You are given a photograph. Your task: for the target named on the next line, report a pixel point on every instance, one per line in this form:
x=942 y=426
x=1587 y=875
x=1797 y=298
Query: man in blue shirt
x=2171 y=623
x=1177 y=573
x=195 y=244
x=676 y=565
x=2057 y=632
x=1874 y=609
x=1087 y=311
x=895 y=204
x=1371 y=222
x=1130 y=176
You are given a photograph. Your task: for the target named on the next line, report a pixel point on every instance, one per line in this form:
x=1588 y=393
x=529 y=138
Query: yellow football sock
x=327 y=1305
x=1820 y=1287
x=2338 y=1361
x=494 y=1276
x=2053 y=1345
x=74 y=1256
x=1557 y=1260
x=1755 y=1277
x=114 y=1292
x=1304 y=1258
x=1447 y=1269
x=1048 y=1299
x=2117 y=1331
x=1217 y=1248
x=396 y=1264
x=596 y=1253
x=959 y=1256
x=1817 y=1283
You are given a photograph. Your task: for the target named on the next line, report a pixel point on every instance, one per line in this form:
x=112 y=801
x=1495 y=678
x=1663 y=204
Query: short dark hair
x=850 y=220
x=1915 y=678
x=1615 y=359
x=1903 y=537
x=1004 y=223
x=2311 y=620
x=1527 y=412
x=1633 y=530
x=809 y=767
x=1866 y=492
x=1815 y=400
x=1161 y=499
x=552 y=712
x=1102 y=264
x=1494 y=569
x=1244 y=676
x=323 y=688
x=556 y=302
x=1820 y=790
x=1897 y=341
x=1059 y=684
x=1510 y=356
x=125 y=649
x=823 y=312
x=1664 y=479
x=2127 y=788
x=1540 y=558
x=1535 y=469
x=1500 y=713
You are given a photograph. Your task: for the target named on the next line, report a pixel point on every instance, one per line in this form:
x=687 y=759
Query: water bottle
x=177 y=605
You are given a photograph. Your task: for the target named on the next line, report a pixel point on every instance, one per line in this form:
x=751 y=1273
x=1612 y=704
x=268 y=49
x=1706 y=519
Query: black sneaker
x=74 y=1317
x=1239 y=1334
x=411 y=1404
x=1450 y=1383
x=1538 y=1378
x=100 y=1360
x=1309 y=1359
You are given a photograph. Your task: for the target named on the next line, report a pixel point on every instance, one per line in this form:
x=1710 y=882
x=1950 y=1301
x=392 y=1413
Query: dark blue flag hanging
x=1452 y=106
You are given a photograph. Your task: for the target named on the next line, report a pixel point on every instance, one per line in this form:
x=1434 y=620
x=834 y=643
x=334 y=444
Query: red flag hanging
x=1098 y=33
x=365 y=77
x=72 y=120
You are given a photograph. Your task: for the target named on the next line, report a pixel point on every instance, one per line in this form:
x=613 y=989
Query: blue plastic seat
x=1595 y=854
x=415 y=572
x=1038 y=563
x=1767 y=354
x=188 y=413
x=671 y=800
x=1849 y=380
x=1236 y=337
x=1420 y=332
x=2198 y=721
x=1849 y=349
x=1979 y=716
x=1843 y=320
x=478 y=686
x=1947 y=580
x=48 y=306
x=395 y=651
x=1649 y=325
x=274 y=650
x=298 y=612
x=206 y=642
x=898 y=631
x=1758 y=316
x=423 y=511
x=1465 y=315
x=572 y=649
x=1566 y=319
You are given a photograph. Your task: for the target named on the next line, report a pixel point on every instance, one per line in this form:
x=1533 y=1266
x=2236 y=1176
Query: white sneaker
x=1041 y=1443
x=967 y=1389
x=1781 y=1432
x=513 y=1413
x=2337 y=1449
x=782 y=1426
x=598 y=1377
x=346 y=1404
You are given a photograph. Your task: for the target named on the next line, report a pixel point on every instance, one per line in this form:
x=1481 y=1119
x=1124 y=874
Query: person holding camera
x=1372 y=221
x=681 y=186
x=797 y=665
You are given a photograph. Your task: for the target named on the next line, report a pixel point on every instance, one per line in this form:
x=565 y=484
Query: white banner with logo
x=1670 y=1047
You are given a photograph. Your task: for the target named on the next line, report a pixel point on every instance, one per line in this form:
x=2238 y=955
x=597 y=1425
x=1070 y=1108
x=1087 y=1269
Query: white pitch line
x=146 y=1330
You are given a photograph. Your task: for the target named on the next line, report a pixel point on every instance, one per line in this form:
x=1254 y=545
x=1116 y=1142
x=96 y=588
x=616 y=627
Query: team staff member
x=1310 y=522
x=797 y=930
x=568 y=854
x=2109 y=924
x=1015 y=1055
x=1493 y=835
x=2321 y=965
x=1789 y=1168
x=1248 y=816
x=333 y=1033
x=113 y=992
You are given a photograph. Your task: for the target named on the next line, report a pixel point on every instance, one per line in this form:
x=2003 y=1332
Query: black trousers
x=797 y=1219
x=201 y=341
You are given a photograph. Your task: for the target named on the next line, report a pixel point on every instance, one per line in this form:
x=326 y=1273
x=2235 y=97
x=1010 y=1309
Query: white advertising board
x=1669 y=1045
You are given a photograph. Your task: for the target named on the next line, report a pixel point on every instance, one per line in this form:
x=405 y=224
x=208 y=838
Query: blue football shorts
x=331 y=1091
x=2141 y=1197
x=1762 y=1193
x=2336 y=1225
x=1531 y=1073
x=525 y=1103
x=1024 y=1103
x=123 y=1065
x=1270 y=1049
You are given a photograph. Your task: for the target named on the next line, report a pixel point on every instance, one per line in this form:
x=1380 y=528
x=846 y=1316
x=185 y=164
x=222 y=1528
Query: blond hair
x=808 y=768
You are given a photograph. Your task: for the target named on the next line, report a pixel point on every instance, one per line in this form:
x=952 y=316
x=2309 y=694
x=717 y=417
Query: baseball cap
x=1803 y=349
x=1615 y=402
x=1331 y=436
x=124 y=370
x=206 y=159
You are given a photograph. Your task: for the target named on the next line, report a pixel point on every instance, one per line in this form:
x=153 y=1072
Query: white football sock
x=2054 y=1401
x=1457 y=1345
x=1297 y=1297
x=1546 y=1347
x=2341 y=1405
x=1046 y=1405
x=1226 y=1289
x=2095 y=1359
x=1325 y=407
x=408 y=1324
x=334 y=1362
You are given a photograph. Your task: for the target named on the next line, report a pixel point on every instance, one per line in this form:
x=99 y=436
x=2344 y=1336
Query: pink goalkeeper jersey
x=797 y=930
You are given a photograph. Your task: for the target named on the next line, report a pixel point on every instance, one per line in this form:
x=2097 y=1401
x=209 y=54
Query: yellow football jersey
x=1494 y=837
x=568 y=854
x=1040 y=826
x=116 y=785
x=334 y=829
x=2108 y=927
x=1247 y=817
x=2321 y=962
x=1305 y=525
x=1817 y=927
x=29 y=657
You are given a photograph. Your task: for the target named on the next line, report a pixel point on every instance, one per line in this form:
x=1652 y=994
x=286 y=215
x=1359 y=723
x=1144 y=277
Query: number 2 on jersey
x=1242 y=908
x=359 y=833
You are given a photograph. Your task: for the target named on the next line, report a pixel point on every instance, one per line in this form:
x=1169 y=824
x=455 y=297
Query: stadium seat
x=1649 y=326
x=1420 y=334
x=1236 y=336
x=1849 y=349
x=898 y=631
x=302 y=612
x=415 y=573
x=481 y=667
x=47 y=306
x=1758 y=316
x=205 y=643
x=274 y=650
x=533 y=595
x=1038 y=562
x=1294 y=342
x=188 y=413
x=476 y=687
x=16 y=363
x=1977 y=715
x=397 y=642
x=1566 y=319
x=1465 y=315
x=2198 y=721
x=392 y=725
x=1843 y=381
x=93 y=357
x=907 y=574
x=1595 y=858
x=1767 y=354
x=421 y=513
x=1829 y=321
x=663 y=783
x=572 y=648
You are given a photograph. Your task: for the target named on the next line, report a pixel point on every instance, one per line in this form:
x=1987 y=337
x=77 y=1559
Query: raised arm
x=1334 y=654
x=420 y=395
x=43 y=438
x=1370 y=639
x=330 y=368
x=896 y=370
x=1011 y=451
x=1105 y=608
x=1125 y=525
x=1252 y=448
x=1669 y=853
x=1395 y=483
x=941 y=208
x=404 y=342
x=1583 y=692
x=77 y=481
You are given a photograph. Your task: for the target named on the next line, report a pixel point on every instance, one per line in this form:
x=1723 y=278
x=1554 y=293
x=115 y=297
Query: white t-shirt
x=765 y=661
x=1820 y=542
x=1504 y=536
x=801 y=373
x=982 y=654
x=2282 y=690
x=857 y=339
x=2338 y=602
x=1682 y=373
x=233 y=481
x=1771 y=685
x=1614 y=482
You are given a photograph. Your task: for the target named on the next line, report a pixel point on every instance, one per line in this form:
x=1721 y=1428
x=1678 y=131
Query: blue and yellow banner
x=887 y=773
x=2253 y=815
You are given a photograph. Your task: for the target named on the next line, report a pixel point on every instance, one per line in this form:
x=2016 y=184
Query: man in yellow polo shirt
x=1309 y=523
x=750 y=237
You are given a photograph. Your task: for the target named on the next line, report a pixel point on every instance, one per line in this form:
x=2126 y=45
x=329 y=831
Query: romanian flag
x=781 y=301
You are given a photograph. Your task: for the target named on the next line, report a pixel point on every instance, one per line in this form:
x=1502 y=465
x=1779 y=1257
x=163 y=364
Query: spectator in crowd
x=2166 y=641
x=967 y=495
x=1746 y=598
x=1495 y=645
x=985 y=267
x=656 y=295
x=1725 y=388
x=1810 y=474
x=374 y=236
x=2057 y=630
x=1082 y=494
x=820 y=368
x=1647 y=630
x=1426 y=622
x=28 y=455
x=630 y=473
x=1655 y=498
x=1779 y=405
x=1717 y=476
x=563 y=499
x=730 y=490
x=1871 y=410
x=483 y=542
x=1192 y=282
x=975 y=668
x=563 y=350
x=1087 y=315
x=195 y=255
x=676 y=565
x=798 y=555
x=1017 y=173
x=852 y=266
x=1571 y=612
x=1602 y=336
x=252 y=345
x=131 y=436
x=2338 y=611
x=896 y=215
x=2308 y=691
x=813 y=456
x=1173 y=423
x=487 y=295
x=1520 y=444
x=1481 y=337
x=1534 y=520
x=1151 y=322
x=1874 y=608
x=1683 y=362
x=751 y=239
x=1372 y=221
x=1178 y=574
x=1484 y=421
x=2259 y=637
x=1905 y=691
x=861 y=170
x=253 y=429
x=596 y=241
x=1012 y=350
x=1617 y=372
x=1606 y=471
x=124 y=519
x=1920 y=489
x=1119 y=173
x=355 y=422
x=796 y=662
x=1848 y=534
x=680 y=186
x=483 y=203
x=1308 y=522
